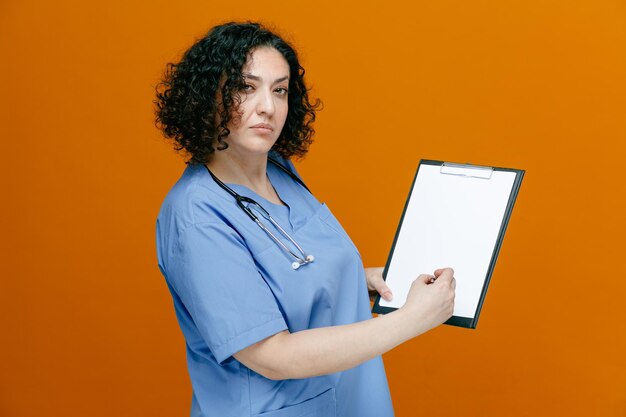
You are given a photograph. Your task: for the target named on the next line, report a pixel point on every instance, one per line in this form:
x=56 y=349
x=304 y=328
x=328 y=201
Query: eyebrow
x=257 y=78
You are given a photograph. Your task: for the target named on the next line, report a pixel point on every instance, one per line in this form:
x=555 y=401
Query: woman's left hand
x=375 y=282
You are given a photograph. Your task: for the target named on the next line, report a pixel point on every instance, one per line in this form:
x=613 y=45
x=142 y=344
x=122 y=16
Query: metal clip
x=466 y=170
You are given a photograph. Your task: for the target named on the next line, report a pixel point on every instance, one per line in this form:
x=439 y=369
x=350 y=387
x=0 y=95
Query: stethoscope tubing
x=302 y=259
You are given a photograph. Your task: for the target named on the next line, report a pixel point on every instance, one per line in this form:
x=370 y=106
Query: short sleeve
x=216 y=278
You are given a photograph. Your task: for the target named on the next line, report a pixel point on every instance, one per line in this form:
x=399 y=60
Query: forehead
x=266 y=61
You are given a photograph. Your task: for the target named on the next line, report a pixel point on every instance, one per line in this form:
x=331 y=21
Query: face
x=264 y=104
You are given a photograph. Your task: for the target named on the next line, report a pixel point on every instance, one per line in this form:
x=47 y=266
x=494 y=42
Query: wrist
x=412 y=321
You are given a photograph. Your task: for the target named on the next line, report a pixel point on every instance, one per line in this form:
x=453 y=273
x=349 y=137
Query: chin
x=261 y=144
x=253 y=148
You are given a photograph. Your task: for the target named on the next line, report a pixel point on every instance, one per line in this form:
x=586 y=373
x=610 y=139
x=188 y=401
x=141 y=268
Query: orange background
x=87 y=324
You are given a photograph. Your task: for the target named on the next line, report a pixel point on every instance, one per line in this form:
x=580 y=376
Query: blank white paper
x=450 y=221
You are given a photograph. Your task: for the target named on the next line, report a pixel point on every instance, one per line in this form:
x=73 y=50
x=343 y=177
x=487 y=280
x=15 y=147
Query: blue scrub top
x=234 y=286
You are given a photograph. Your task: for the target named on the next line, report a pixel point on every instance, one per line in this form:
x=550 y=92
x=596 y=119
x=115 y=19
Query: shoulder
x=192 y=200
x=193 y=214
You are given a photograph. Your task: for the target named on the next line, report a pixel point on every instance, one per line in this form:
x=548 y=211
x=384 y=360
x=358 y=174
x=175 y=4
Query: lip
x=263 y=126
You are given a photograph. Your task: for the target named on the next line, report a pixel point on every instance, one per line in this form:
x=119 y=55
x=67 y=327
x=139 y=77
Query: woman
x=269 y=291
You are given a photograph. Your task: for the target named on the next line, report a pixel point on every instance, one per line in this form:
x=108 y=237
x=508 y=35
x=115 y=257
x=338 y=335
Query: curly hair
x=187 y=107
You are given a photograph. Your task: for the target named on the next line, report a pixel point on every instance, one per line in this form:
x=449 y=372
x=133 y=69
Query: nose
x=265 y=104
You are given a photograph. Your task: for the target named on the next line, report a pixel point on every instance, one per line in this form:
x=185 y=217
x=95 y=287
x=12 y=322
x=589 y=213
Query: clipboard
x=455 y=216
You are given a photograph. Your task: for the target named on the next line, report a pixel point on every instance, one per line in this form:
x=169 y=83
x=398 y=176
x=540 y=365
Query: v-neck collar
x=286 y=188
x=279 y=211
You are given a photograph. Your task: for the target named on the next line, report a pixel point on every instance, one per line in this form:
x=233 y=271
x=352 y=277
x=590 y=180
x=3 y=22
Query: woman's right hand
x=430 y=303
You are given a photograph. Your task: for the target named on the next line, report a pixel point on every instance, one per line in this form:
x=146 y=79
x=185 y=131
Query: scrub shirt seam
x=194 y=188
x=188 y=227
x=342 y=235
x=197 y=189
x=199 y=184
x=250 y=329
x=218 y=223
x=195 y=197
x=249 y=388
x=274 y=318
x=199 y=198
x=184 y=283
x=208 y=223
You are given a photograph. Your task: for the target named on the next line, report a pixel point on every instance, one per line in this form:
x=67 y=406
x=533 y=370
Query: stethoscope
x=244 y=204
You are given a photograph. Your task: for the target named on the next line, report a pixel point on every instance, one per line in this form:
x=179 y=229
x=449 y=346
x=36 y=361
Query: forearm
x=332 y=349
x=327 y=350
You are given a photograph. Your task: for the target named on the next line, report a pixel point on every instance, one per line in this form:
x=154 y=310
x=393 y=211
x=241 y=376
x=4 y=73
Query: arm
x=327 y=350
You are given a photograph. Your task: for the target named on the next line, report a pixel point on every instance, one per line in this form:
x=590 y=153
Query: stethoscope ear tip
x=307 y=260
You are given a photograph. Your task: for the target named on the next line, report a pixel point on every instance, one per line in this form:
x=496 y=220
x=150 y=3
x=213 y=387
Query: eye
x=247 y=87
x=282 y=91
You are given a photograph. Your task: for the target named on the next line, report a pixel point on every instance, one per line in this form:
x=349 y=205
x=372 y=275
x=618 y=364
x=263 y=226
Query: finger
x=425 y=279
x=442 y=270
x=371 y=275
x=444 y=273
x=381 y=286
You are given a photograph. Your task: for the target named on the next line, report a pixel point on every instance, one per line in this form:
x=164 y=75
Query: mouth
x=263 y=126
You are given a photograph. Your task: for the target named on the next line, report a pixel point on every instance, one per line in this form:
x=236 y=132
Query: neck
x=250 y=171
